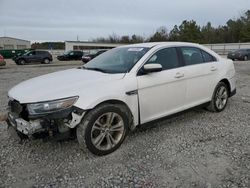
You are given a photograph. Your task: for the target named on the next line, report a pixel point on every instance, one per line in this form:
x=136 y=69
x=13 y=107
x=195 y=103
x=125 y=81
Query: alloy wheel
x=46 y=61
x=107 y=131
x=221 y=97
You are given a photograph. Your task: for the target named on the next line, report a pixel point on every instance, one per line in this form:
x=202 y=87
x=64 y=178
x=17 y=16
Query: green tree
x=245 y=31
x=174 y=34
x=189 y=31
x=208 y=33
x=161 y=34
x=136 y=39
x=125 y=40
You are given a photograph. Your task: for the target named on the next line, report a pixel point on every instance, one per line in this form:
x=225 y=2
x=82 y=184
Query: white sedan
x=100 y=102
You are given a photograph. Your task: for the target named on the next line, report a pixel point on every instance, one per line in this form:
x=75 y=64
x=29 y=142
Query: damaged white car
x=100 y=102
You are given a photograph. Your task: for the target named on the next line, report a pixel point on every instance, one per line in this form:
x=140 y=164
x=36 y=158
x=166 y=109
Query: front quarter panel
x=113 y=90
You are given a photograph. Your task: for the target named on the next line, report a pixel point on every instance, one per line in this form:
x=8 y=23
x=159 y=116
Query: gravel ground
x=194 y=149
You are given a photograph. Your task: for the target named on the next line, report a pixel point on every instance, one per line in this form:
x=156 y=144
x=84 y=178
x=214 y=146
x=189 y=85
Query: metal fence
x=224 y=48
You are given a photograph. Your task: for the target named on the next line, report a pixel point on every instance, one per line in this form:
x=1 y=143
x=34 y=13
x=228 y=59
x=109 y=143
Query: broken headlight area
x=58 y=121
x=51 y=106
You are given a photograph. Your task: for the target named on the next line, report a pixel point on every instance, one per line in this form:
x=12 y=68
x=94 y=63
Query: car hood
x=60 y=84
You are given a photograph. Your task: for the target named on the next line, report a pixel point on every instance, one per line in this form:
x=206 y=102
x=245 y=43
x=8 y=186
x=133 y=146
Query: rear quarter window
x=207 y=57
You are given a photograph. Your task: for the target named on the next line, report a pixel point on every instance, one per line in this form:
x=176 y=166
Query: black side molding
x=232 y=93
x=133 y=92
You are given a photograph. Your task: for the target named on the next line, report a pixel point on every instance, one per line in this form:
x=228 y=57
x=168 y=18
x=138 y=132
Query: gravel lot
x=194 y=149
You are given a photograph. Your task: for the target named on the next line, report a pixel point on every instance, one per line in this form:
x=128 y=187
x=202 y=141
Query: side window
x=32 y=53
x=192 y=55
x=166 y=57
x=40 y=53
x=207 y=57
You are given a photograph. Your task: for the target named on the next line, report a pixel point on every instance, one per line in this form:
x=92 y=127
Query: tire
x=46 y=61
x=220 y=98
x=99 y=136
x=245 y=58
x=21 y=62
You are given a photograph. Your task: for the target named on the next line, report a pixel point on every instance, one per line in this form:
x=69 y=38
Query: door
x=40 y=56
x=31 y=56
x=162 y=93
x=200 y=73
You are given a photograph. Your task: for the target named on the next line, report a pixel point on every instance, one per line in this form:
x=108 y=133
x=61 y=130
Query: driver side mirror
x=150 y=68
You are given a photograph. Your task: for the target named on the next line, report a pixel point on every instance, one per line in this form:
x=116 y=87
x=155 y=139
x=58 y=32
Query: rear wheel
x=245 y=58
x=46 y=61
x=103 y=129
x=220 y=98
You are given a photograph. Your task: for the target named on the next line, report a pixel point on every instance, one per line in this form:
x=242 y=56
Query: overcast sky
x=60 y=20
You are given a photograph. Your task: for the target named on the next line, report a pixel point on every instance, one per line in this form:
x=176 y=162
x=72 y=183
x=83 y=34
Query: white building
x=9 y=43
x=81 y=45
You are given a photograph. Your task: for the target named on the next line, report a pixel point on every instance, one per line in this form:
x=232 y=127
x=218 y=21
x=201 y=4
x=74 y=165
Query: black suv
x=34 y=56
x=71 y=55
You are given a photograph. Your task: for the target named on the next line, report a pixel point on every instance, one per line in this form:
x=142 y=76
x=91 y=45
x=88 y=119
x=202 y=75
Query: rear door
x=201 y=70
x=162 y=93
x=40 y=55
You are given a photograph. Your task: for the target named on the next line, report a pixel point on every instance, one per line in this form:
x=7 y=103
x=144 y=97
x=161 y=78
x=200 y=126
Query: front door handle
x=213 y=68
x=179 y=75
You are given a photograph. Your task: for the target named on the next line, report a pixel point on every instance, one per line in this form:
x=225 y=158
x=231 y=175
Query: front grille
x=15 y=107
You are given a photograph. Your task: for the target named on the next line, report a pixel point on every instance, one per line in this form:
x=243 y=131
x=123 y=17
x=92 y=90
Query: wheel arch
x=119 y=102
x=226 y=81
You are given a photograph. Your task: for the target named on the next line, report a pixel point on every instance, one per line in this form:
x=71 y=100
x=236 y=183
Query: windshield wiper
x=94 y=69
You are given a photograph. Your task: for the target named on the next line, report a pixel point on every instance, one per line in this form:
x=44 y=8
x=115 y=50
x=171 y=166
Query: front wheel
x=21 y=62
x=220 y=98
x=103 y=129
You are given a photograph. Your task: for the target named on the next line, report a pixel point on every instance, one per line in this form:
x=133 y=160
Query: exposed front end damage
x=59 y=125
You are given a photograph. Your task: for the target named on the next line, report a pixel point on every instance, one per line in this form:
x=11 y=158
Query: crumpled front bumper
x=23 y=126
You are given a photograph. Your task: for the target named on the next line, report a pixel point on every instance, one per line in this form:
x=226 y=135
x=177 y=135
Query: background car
x=88 y=57
x=242 y=54
x=71 y=55
x=2 y=62
x=34 y=56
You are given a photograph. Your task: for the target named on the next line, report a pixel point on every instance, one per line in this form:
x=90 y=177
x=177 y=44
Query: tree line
x=234 y=31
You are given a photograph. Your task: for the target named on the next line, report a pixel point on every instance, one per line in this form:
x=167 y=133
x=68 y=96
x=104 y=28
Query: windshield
x=117 y=60
x=27 y=53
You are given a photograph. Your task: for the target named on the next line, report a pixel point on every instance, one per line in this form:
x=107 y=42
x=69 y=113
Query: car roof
x=154 y=44
x=243 y=49
x=157 y=45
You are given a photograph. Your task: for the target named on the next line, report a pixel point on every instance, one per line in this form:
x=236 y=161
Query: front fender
x=114 y=92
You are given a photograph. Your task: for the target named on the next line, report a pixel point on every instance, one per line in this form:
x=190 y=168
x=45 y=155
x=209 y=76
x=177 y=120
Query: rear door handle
x=179 y=75
x=213 y=68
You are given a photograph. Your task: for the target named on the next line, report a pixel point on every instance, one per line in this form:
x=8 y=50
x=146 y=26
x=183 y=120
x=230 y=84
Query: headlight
x=51 y=106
